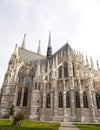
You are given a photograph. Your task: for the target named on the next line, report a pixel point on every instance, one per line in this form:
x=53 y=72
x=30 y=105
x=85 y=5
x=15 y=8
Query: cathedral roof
x=66 y=48
x=29 y=56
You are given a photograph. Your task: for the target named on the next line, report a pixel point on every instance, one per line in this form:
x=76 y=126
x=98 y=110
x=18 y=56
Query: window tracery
x=48 y=101
x=60 y=100
x=19 y=97
x=85 y=100
x=77 y=100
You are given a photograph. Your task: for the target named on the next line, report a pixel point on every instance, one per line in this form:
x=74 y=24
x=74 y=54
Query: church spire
x=49 y=49
x=49 y=42
x=39 y=48
x=23 y=43
x=16 y=50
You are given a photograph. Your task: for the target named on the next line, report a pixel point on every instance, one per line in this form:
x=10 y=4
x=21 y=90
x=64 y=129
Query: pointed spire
x=23 y=43
x=97 y=65
x=16 y=50
x=87 y=62
x=83 y=58
x=49 y=49
x=67 y=42
x=38 y=73
x=92 y=64
x=39 y=48
x=49 y=42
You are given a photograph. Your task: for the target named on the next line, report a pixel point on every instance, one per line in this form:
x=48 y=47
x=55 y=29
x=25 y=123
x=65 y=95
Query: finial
x=92 y=64
x=82 y=57
x=97 y=65
x=23 y=43
x=16 y=50
x=39 y=48
x=87 y=63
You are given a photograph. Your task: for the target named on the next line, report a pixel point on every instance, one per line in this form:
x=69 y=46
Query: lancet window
x=68 y=99
x=48 y=101
x=65 y=70
x=19 y=97
x=85 y=100
x=25 y=97
x=98 y=100
x=77 y=100
x=60 y=100
x=60 y=72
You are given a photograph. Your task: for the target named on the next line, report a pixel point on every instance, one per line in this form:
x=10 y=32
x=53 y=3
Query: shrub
x=6 y=116
x=11 y=112
x=20 y=116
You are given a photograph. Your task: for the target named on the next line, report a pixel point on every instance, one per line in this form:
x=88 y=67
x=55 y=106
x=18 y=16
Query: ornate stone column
x=15 y=96
x=82 y=107
x=42 y=117
x=21 y=104
x=92 y=111
x=94 y=101
x=55 y=104
x=73 y=118
x=52 y=104
x=64 y=101
x=82 y=118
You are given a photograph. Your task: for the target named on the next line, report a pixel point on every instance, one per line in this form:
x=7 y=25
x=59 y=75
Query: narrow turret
x=39 y=48
x=49 y=49
x=23 y=43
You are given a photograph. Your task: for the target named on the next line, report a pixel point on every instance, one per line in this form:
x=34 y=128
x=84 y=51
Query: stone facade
x=57 y=87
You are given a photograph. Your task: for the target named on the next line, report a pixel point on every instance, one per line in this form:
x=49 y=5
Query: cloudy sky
x=77 y=21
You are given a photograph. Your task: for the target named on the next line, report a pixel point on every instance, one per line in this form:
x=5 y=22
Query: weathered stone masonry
x=57 y=87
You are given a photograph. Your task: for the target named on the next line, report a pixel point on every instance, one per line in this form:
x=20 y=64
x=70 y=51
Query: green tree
x=18 y=119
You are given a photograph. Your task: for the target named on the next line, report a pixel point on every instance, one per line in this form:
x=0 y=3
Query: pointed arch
x=35 y=85
x=85 y=100
x=73 y=70
x=65 y=70
x=39 y=86
x=98 y=100
x=48 y=101
x=60 y=72
x=25 y=98
x=19 y=97
x=60 y=100
x=77 y=100
x=68 y=99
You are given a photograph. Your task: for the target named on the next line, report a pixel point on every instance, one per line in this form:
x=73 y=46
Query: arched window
x=85 y=100
x=50 y=76
x=73 y=70
x=77 y=100
x=35 y=85
x=41 y=100
x=48 y=101
x=60 y=72
x=39 y=86
x=68 y=100
x=25 y=97
x=65 y=70
x=19 y=97
x=60 y=100
x=98 y=100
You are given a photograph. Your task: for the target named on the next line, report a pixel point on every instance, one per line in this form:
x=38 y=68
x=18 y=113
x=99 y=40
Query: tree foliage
x=20 y=116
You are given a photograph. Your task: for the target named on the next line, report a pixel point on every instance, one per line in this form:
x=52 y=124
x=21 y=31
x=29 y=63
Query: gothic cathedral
x=56 y=87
